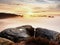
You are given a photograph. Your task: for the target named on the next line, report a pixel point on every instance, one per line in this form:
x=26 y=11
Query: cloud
x=48 y=1
x=29 y=1
x=5 y=1
x=10 y=1
x=56 y=3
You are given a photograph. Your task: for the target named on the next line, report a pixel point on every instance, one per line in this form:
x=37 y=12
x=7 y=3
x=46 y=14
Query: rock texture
x=29 y=29
x=4 y=41
x=45 y=33
x=25 y=32
x=17 y=34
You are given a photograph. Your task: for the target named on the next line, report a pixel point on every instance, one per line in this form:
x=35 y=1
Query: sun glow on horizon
x=29 y=12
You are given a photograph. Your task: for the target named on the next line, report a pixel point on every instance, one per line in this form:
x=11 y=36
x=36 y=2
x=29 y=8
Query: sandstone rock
x=4 y=41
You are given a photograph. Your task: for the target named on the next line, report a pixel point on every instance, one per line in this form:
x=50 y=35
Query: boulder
x=23 y=33
x=15 y=34
x=45 y=33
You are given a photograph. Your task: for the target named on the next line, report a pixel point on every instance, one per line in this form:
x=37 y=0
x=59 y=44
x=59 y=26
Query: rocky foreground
x=28 y=35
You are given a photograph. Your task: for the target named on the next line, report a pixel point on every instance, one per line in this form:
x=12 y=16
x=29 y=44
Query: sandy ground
x=44 y=22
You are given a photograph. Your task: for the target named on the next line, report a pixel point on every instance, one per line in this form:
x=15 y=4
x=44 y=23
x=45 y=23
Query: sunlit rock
x=4 y=41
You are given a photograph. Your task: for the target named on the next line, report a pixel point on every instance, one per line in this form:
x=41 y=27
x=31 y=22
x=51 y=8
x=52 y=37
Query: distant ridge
x=8 y=15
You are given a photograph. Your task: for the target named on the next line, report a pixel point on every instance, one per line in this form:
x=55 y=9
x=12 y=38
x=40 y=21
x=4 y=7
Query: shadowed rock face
x=30 y=41
x=40 y=41
x=37 y=41
x=45 y=33
x=17 y=34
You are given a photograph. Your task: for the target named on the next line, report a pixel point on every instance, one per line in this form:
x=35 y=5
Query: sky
x=30 y=1
x=27 y=7
x=15 y=5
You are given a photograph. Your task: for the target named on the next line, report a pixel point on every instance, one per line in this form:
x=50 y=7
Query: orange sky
x=26 y=9
x=24 y=6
